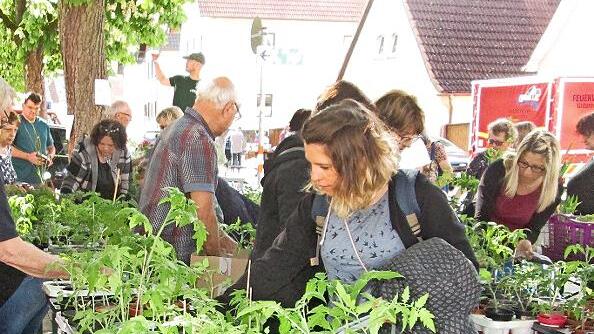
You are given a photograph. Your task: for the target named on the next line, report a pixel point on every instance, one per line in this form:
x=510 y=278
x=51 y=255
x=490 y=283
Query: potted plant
x=580 y=308
x=495 y=308
x=550 y=293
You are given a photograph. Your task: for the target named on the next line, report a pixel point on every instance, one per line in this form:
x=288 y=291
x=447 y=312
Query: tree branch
x=53 y=25
x=7 y=21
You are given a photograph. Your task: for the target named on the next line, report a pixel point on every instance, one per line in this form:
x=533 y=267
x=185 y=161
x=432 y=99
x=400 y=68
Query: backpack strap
x=406 y=198
x=319 y=211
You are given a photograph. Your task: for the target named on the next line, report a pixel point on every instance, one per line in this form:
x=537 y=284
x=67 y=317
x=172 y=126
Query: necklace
x=36 y=141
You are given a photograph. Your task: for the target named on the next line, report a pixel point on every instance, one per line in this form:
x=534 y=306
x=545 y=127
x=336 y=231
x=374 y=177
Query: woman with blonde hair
x=168 y=116
x=354 y=168
x=522 y=189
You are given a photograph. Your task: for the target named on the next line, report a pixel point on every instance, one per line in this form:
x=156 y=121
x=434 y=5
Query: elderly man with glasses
x=121 y=112
x=186 y=158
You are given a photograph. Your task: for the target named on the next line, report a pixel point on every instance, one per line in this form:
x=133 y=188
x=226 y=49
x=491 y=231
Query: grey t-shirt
x=376 y=240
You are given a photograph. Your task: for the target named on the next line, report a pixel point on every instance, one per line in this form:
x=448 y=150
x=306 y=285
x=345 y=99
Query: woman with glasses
x=401 y=113
x=9 y=124
x=100 y=162
x=522 y=190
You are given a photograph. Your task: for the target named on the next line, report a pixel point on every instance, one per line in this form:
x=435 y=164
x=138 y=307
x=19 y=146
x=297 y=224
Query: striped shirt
x=185 y=157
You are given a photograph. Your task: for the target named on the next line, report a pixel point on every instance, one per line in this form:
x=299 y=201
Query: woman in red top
x=522 y=189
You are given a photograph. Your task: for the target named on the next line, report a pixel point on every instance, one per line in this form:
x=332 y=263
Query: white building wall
x=462 y=109
x=569 y=49
x=404 y=69
x=307 y=57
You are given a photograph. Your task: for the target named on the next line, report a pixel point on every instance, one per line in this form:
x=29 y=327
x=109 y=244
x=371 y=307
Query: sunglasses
x=535 y=169
x=495 y=142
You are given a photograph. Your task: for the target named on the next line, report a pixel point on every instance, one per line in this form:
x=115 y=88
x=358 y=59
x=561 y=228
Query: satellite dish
x=256 y=36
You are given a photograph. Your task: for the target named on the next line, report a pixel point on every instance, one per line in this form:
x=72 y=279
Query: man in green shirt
x=33 y=146
x=184 y=87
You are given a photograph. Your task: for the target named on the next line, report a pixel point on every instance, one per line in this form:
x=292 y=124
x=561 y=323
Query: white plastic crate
x=488 y=326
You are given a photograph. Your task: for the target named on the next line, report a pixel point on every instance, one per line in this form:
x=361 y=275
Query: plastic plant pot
x=499 y=314
x=552 y=319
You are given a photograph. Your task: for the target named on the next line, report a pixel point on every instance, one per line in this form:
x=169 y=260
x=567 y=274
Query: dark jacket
x=284 y=269
x=490 y=188
x=235 y=205
x=286 y=173
x=82 y=172
x=582 y=186
x=478 y=165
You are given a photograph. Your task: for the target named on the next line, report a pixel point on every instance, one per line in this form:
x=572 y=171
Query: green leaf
x=422 y=301
x=405 y=295
x=427 y=319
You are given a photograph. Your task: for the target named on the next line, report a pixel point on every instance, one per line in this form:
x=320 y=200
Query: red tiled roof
x=464 y=40
x=308 y=10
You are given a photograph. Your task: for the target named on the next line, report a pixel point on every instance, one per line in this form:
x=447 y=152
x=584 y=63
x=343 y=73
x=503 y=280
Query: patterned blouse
x=376 y=240
x=431 y=171
x=6 y=167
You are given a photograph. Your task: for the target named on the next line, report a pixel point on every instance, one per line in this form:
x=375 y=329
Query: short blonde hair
x=363 y=153
x=541 y=142
x=7 y=95
x=170 y=113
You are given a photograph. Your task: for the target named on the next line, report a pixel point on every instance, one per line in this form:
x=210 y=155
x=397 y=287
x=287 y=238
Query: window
x=150 y=110
x=380 y=44
x=394 y=42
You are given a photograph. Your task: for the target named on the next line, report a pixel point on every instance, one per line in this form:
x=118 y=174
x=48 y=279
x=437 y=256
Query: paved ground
x=247 y=173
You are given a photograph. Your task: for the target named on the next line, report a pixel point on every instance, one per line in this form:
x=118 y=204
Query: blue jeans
x=23 y=312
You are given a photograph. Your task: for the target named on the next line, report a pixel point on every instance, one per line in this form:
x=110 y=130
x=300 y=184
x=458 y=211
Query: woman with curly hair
x=100 y=162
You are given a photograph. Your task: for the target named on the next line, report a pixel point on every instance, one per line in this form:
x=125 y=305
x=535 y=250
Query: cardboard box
x=222 y=271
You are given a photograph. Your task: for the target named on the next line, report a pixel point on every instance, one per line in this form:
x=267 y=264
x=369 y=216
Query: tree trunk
x=83 y=51
x=34 y=76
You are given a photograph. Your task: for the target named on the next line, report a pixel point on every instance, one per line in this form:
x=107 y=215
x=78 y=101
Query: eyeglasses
x=535 y=169
x=237 y=113
x=124 y=115
x=4 y=119
x=407 y=138
x=495 y=142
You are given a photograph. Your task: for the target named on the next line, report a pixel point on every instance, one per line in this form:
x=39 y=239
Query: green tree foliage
x=28 y=24
x=24 y=26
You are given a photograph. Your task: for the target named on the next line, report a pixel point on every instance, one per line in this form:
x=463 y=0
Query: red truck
x=554 y=103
